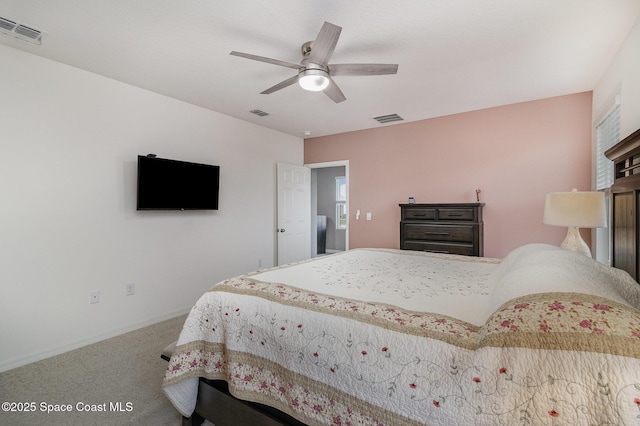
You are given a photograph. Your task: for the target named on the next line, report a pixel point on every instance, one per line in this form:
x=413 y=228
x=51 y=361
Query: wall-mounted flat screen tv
x=176 y=185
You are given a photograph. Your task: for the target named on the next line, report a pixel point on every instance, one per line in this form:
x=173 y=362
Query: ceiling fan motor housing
x=313 y=77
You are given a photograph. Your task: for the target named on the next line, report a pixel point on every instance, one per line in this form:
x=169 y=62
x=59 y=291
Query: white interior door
x=294 y=213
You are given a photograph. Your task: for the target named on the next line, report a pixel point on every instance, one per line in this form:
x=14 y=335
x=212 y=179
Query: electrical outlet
x=94 y=297
x=130 y=289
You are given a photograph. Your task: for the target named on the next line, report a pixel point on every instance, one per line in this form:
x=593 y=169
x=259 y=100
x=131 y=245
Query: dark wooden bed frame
x=625 y=202
x=216 y=404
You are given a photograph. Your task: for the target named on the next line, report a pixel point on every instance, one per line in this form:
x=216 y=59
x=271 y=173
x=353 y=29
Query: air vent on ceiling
x=6 y=24
x=19 y=31
x=259 y=112
x=389 y=118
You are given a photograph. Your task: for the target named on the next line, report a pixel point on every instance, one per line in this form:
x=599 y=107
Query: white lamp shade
x=314 y=80
x=575 y=209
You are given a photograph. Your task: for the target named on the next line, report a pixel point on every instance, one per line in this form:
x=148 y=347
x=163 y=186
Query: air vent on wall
x=389 y=118
x=259 y=113
x=19 y=31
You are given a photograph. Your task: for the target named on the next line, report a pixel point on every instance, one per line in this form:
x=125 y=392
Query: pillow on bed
x=522 y=252
x=543 y=268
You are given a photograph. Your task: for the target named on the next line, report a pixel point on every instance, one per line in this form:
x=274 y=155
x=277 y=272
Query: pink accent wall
x=515 y=154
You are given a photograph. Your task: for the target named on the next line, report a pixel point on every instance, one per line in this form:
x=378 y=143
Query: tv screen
x=176 y=185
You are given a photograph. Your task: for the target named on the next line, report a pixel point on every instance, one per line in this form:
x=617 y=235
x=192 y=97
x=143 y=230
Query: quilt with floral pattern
x=391 y=337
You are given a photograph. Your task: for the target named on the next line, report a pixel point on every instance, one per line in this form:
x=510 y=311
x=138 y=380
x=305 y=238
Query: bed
x=396 y=337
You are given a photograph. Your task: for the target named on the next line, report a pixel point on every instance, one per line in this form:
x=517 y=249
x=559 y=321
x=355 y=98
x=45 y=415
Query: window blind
x=607 y=135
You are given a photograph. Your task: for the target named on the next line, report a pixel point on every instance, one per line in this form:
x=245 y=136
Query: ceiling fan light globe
x=313 y=80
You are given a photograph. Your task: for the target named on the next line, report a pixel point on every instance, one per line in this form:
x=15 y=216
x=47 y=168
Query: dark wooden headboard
x=625 y=193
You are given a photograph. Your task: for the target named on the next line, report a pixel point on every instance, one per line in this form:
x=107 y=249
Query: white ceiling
x=453 y=55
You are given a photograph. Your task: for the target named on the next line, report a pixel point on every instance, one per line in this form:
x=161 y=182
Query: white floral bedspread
x=385 y=344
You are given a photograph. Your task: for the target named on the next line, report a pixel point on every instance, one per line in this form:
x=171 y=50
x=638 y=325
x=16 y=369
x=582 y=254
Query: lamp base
x=574 y=242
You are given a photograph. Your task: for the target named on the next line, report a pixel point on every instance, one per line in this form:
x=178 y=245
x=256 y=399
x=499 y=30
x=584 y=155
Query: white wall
x=68 y=224
x=622 y=79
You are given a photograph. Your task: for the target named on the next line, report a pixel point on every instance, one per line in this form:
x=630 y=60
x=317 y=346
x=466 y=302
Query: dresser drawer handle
x=454 y=214
x=436 y=233
x=438 y=251
x=419 y=214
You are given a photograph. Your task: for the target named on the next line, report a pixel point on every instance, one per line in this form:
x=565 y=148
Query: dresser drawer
x=420 y=214
x=463 y=233
x=455 y=214
x=447 y=248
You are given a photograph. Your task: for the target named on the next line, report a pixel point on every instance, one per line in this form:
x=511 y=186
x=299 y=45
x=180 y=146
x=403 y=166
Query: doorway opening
x=329 y=207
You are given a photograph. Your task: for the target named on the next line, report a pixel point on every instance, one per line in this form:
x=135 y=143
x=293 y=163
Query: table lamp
x=576 y=209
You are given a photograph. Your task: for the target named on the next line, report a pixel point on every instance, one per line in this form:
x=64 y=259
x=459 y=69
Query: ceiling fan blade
x=267 y=60
x=325 y=44
x=362 y=69
x=281 y=85
x=334 y=92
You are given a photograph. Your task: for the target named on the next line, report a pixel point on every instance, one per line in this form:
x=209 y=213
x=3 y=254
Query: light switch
x=368 y=215
x=357 y=214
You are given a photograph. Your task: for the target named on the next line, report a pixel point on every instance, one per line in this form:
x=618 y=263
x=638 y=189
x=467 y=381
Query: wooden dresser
x=625 y=193
x=442 y=228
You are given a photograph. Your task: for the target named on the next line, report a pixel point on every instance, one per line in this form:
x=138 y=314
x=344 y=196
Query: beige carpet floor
x=122 y=375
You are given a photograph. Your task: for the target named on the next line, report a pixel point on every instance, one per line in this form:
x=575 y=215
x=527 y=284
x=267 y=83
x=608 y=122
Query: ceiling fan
x=315 y=71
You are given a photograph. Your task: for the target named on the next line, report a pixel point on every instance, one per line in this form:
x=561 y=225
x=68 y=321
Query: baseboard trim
x=19 y=362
